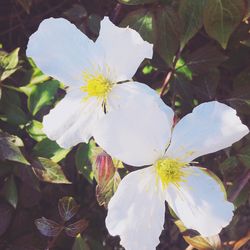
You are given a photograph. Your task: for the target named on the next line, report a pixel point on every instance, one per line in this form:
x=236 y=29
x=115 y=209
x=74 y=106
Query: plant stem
x=11 y=87
x=170 y=73
x=242 y=183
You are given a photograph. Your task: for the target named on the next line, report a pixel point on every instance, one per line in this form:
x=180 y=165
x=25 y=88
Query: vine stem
x=242 y=183
x=170 y=73
x=11 y=87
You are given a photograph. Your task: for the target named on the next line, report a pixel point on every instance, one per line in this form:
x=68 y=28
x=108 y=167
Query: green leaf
x=83 y=160
x=183 y=69
x=42 y=95
x=168 y=33
x=135 y=2
x=8 y=64
x=221 y=17
x=244 y=156
x=67 y=208
x=10 y=191
x=6 y=212
x=50 y=149
x=34 y=130
x=48 y=171
x=191 y=17
x=80 y=244
x=10 y=106
x=9 y=149
x=141 y=20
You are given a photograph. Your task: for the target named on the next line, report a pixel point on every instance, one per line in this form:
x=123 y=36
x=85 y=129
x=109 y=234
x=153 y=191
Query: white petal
x=211 y=126
x=72 y=120
x=124 y=49
x=200 y=203
x=136 y=211
x=61 y=50
x=138 y=127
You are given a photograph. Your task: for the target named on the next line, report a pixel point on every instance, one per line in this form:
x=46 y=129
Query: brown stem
x=170 y=73
x=242 y=183
x=116 y=13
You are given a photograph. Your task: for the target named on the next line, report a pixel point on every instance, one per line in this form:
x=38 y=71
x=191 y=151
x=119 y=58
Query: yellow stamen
x=97 y=85
x=170 y=171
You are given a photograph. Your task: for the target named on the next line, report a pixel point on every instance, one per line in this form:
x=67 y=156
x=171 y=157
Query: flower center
x=97 y=85
x=170 y=171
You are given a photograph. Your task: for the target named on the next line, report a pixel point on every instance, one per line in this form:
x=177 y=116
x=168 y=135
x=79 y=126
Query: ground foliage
x=48 y=194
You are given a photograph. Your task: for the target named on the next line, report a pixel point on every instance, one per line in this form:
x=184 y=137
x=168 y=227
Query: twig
x=170 y=73
x=242 y=183
x=116 y=13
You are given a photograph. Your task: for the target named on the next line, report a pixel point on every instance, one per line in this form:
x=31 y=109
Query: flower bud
x=103 y=169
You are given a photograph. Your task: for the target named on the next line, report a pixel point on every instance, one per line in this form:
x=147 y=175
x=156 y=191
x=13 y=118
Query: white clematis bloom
x=136 y=211
x=91 y=70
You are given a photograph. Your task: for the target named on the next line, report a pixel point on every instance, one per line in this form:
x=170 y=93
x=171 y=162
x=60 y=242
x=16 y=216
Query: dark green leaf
x=10 y=107
x=49 y=171
x=141 y=20
x=135 y=2
x=83 y=159
x=42 y=95
x=6 y=213
x=10 y=191
x=48 y=227
x=191 y=17
x=221 y=17
x=67 y=207
x=9 y=150
x=205 y=58
x=168 y=33
x=50 y=149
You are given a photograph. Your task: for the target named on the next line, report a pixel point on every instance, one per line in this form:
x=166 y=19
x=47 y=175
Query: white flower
x=92 y=71
x=136 y=211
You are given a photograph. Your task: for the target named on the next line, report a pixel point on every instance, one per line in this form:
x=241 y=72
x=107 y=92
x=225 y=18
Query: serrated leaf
x=48 y=227
x=8 y=64
x=191 y=17
x=34 y=130
x=141 y=20
x=42 y=95
x=50 y=149
x=10 y=191
x=168 y=33
x=9 y=150
x=80 y=244
x=49 y=171
x=221 y=17
x=67 y=208
x=74 y=229
x=135 y=2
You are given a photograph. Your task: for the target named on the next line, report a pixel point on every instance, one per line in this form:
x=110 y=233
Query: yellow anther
x=170 y=171
x=97 y=85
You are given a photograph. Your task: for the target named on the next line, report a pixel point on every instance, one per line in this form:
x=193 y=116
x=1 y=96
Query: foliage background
x=202 y=53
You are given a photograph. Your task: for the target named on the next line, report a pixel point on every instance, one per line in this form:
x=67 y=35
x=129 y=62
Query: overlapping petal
x=124 y=49
x=136 y=211
x=200 y=202
x=211 y=126
x=62 y=51
x=139 y=129
x=73 y=119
